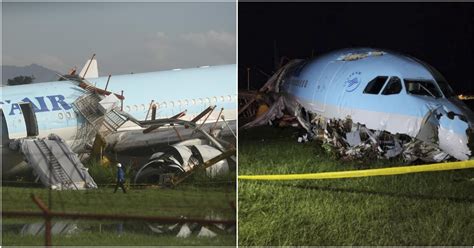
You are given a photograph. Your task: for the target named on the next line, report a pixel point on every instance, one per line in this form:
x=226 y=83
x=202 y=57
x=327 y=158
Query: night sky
x=440 y=34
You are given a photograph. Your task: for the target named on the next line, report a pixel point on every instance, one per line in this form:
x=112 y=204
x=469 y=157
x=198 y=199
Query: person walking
x=120 y=178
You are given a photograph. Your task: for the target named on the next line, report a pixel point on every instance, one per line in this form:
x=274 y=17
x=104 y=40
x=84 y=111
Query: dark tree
x=21 y=80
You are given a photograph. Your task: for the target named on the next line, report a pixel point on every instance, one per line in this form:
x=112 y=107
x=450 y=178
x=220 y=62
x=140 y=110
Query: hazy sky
x=127 y=37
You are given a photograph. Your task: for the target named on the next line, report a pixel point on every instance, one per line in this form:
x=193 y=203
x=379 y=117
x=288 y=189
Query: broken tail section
x=90 y=69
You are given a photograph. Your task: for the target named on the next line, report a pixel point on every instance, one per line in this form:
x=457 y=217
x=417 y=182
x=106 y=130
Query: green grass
x=435 y=208
x=188 y=201
x=110 y=238
x=185 y=200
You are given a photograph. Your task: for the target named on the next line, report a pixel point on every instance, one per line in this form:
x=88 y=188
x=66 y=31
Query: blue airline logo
x=352 y=82
x=39 y=105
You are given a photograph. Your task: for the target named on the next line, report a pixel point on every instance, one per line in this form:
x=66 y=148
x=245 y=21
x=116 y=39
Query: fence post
x=47 y=219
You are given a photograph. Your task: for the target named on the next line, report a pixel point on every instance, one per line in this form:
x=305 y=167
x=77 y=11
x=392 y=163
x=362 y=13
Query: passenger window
x=394 y=86
x=375 y=85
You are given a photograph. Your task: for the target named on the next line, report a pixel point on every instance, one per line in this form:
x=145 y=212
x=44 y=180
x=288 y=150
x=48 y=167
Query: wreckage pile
x=354 y=141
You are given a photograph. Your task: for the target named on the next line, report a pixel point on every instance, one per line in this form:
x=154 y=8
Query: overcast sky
x=127 y=37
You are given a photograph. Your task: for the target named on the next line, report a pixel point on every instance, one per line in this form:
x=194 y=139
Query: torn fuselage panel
x=453 y=137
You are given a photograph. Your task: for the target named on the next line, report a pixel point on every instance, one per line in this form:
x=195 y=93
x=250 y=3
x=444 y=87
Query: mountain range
x=41 y=74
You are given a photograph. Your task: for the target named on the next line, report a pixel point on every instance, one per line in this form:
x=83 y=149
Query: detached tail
x=90 y=69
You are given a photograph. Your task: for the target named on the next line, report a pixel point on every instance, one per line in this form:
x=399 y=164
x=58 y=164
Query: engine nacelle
x=181 y=158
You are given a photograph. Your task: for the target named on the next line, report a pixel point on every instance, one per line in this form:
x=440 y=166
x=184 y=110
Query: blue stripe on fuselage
x=57 y=102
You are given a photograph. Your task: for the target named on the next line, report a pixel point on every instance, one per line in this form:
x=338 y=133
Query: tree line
x=21 y=80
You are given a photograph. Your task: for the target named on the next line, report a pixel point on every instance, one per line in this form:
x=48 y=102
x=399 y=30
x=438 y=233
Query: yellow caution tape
x=366 y=173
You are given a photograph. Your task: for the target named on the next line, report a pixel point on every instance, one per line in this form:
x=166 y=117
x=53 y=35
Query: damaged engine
x=181 y=158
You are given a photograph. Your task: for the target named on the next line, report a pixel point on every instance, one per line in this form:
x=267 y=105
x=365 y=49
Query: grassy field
x=435 y=208
x=189 y=201
x=107 y=239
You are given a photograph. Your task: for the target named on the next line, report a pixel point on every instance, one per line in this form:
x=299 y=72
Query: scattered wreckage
x=366 y=103
x=194 y=147
x=105 y=127
x=179 y=230
x=174 y=163
x=189 y=229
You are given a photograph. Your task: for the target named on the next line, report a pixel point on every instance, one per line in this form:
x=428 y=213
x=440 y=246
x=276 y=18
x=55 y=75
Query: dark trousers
x=120 y=184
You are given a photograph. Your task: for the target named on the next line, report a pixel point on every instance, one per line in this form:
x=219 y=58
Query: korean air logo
x=39 y=104
x=352 y=82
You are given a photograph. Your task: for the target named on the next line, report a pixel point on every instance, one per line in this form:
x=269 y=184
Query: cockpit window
x=394 y=86
x=422 y=88
x=445 y=88
x=442 y=82
x=375 y=85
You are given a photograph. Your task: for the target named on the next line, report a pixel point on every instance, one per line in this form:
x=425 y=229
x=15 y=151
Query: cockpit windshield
x=422 y=88
x=443 y=84
x=438 y=77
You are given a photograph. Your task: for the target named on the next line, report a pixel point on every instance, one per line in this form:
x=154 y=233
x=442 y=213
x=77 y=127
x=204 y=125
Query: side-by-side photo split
x=235 y=123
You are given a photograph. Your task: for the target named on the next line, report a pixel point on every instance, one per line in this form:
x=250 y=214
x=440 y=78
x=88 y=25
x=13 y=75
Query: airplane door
x=5 y=136
x=29 y=118
x=21 y=125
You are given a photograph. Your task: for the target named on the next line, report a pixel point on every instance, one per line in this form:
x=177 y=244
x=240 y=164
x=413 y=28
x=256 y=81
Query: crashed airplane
x=367 y=101
x=157 y=114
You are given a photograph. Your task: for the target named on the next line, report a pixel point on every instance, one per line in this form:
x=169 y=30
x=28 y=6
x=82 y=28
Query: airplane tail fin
x=90 y=69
